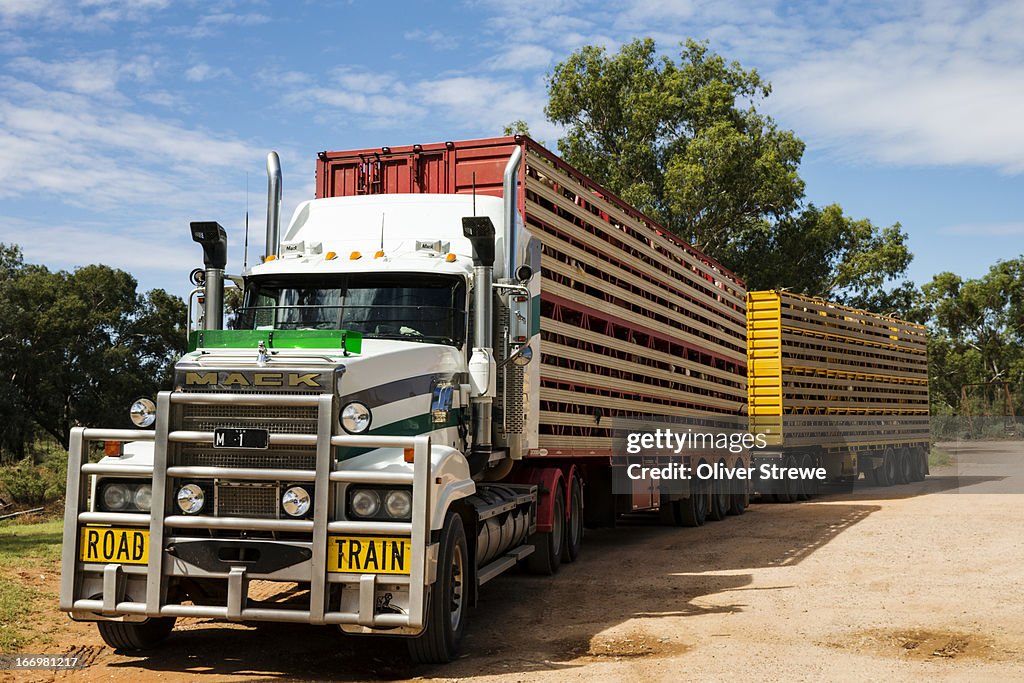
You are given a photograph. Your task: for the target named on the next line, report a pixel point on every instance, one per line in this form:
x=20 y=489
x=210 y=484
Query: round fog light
x=355 y=418
x=295 y=501
x=365 y=503
x=116 y=496
x=398 y=504
x=143 y=413
x=143 y=497
x=190 y=499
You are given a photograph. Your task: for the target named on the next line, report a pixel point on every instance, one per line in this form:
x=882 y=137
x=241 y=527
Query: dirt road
x=903 y=583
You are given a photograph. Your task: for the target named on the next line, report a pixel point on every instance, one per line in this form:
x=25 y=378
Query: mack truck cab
x=352 y=437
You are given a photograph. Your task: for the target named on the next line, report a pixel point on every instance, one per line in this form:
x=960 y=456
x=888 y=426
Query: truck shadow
x=524 y=623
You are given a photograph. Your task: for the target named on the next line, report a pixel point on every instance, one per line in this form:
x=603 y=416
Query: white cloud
x=204 y=72
x=83 y=15
x=525 y=57
x=96 y=74
x=435 y=39
x=234 y=19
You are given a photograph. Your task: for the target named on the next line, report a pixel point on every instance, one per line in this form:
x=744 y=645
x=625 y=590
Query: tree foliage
x=977 y=331
x=684 y=142
x=76 y=348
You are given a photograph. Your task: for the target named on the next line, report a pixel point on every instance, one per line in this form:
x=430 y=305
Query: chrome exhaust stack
x=274 y=193
x=508 y=193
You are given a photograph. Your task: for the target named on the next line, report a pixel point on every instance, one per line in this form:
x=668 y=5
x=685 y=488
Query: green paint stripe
x=411 y=426
x=276 y=339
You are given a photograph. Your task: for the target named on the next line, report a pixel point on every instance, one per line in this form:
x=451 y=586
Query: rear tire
x=693 y=510
x=135 y=636
x=805 y=487
x=718 y=502
x=447 y=605
x=886 y=474
x=917 y=465
x=574 y=526
x=547 y=554
x=788 y=488
x=905 y=473
x=740 y=498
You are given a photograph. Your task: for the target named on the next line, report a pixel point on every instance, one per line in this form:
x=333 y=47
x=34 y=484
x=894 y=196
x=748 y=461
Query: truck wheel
x=787 y=488
x=718 y=503
x=886 y=474
x=905 y=473
x=574 y=527
x=446 y=608
x=805 y=487
x=693 y=510
x=922 y=454
x=547 y=554
x=917 y=466
x=740 y=498
x=133 y=636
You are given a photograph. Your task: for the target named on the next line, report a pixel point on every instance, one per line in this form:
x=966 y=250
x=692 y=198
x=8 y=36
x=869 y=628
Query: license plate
x=107 y=544
x=368 y=554
x=228 y=437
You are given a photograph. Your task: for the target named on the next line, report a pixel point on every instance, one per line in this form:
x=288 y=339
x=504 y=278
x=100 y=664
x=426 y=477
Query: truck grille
x=276 y=420
x=247 y=500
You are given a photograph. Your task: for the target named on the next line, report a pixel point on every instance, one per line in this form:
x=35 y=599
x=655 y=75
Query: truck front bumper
x=177 y=550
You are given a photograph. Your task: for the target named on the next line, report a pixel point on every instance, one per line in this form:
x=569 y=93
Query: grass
x=23 y=545
x=939 y=458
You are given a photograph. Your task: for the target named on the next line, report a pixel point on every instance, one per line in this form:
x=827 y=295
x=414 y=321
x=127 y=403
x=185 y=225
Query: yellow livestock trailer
x=837 y=387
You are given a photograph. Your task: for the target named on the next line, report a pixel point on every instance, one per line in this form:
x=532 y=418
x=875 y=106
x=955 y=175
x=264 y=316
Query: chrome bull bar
x=422 y=560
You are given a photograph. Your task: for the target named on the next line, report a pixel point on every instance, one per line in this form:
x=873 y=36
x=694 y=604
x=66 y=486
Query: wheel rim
x=455 y=606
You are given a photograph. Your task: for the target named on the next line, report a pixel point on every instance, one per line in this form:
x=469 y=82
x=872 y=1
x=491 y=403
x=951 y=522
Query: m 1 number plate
x=228 y=437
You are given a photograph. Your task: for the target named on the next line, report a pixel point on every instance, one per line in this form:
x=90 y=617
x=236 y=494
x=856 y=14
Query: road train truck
x=836 y=387
x=417 y=392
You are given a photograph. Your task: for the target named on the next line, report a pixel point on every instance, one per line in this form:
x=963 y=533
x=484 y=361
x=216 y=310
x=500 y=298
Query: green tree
x=977 y=330
x=684 y=142
x=77 y=348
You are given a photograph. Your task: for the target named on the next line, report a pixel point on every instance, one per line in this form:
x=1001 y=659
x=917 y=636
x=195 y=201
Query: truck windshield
x=430 y=308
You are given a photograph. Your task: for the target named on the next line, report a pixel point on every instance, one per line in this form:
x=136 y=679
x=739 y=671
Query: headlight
x=144 y=497
x=116 y=496
x=143 y=413
x=365 y=503
x=398 y=504
x=295 y=501
x=355 y=418
x=190 y=499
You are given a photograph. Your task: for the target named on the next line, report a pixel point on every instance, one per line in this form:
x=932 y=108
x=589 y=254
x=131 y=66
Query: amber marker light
x=449 y=258
x=113 y=449
x=355 y=256
x=379 y=254
x=408 y=454
x=330 y=256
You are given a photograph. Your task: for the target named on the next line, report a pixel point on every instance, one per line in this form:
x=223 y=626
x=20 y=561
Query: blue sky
x=122 y=120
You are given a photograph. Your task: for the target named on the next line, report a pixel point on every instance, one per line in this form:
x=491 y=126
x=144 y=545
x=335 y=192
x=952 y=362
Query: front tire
x=447 y=605
x=135 y=636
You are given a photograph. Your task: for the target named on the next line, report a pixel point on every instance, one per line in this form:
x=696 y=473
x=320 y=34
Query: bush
x=31 y=484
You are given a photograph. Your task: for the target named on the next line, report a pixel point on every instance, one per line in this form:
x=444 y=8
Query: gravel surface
x=904 y=583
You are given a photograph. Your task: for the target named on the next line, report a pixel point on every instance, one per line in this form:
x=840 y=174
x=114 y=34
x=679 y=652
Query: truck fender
x=547 y=479
x=451 y=481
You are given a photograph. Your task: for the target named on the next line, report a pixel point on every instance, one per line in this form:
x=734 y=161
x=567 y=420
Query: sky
x=123 y=120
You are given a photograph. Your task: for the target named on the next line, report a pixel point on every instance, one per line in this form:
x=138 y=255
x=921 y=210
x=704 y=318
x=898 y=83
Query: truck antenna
x=474 y=193
x=382 y=231
x=245 y=251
